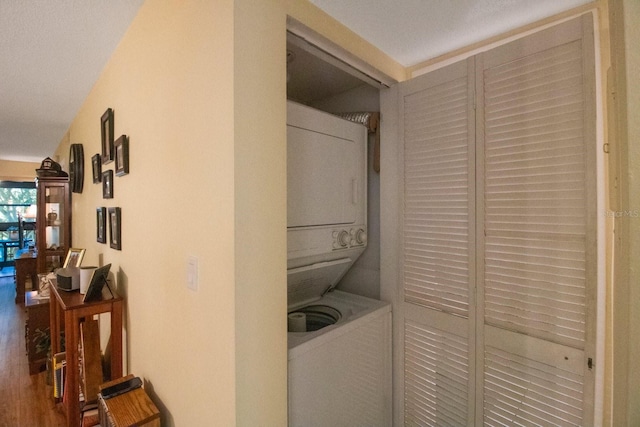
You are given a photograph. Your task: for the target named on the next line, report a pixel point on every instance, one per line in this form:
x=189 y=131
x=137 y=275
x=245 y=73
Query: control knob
x=344 y=238
x=361 y=237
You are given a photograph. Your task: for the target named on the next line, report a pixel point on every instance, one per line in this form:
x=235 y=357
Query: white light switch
x=192 y=273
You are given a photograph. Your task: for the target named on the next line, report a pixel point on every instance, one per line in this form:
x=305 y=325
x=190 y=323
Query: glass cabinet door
x=55 y=229
x=54 y=224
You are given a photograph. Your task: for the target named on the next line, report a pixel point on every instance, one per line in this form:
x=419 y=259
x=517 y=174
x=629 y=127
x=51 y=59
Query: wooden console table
x=68 y=306
x=25 y=267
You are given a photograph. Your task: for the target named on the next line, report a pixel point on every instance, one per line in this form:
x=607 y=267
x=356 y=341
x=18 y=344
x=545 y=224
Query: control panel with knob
x=348 y=238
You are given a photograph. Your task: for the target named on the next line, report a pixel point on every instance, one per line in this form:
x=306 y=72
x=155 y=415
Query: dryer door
x=326 y=169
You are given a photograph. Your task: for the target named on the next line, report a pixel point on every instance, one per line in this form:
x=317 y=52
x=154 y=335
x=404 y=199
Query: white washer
x=340 y=375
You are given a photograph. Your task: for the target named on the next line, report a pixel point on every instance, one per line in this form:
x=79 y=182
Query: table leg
x=54 y=324
x=72 y=333
x=116 y=340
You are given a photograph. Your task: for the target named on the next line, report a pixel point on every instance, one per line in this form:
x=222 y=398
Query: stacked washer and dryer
x=339 y=344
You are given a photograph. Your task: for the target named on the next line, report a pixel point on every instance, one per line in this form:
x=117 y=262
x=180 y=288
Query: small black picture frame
x=98 y=280
x=106 y=129
x=115 y=229
x=96 y=167
x=121 y=148
x=101 y=225
x=107 y=184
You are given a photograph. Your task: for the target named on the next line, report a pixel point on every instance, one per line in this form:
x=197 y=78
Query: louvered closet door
x=495 y=318
x=537 y=206
x=436 y=318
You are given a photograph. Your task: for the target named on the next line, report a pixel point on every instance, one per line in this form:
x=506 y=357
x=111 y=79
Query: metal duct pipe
x=372 y=121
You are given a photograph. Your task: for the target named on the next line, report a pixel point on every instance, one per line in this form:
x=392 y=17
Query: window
x=17 y=218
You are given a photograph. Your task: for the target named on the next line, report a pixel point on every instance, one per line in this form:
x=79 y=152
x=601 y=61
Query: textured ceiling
x=413 y=31
x=53 y=51
x=51 y=54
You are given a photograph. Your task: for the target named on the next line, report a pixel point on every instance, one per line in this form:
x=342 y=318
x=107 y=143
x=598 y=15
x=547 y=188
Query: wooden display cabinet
x=53 y=222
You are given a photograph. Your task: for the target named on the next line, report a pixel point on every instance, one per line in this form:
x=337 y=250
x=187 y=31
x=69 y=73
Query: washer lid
x=310 y=282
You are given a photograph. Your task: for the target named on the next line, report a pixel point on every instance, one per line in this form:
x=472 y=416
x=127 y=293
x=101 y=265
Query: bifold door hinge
x=590 y=363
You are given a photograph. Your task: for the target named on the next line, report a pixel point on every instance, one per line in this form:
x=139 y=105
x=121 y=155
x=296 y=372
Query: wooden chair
x=25 y=267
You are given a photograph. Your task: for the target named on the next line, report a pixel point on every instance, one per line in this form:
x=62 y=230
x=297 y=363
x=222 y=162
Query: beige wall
x=260 y=213
x=632 y=52
x=171 y=85
x=627 y=292
x=624 y=131
x=18 y=171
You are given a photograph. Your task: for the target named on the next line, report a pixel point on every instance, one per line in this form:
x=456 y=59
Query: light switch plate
x=192 y=273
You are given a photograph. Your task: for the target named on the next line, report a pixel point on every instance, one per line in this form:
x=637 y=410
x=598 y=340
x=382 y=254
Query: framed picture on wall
x=121 y=147
x=96 y=167
x=106 y=124
x=101 y=225
x=107 y=184
x=115 y=231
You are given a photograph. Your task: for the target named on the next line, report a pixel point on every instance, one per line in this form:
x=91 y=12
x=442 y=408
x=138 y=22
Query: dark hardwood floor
x=24 y=398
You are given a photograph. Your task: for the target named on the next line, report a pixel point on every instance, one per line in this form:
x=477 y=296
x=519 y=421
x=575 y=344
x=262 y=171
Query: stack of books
x=90 y=415
x=59 y=368
x=104 y=415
